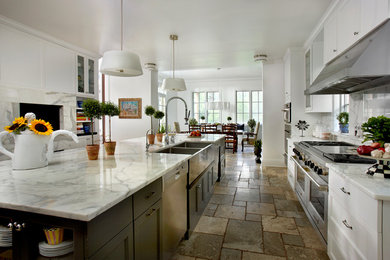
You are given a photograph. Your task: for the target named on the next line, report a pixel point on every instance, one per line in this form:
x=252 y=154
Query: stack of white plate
x=63 y=248
x=5 y=237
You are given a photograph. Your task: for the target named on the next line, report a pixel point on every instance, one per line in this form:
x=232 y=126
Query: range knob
x=300 y=157
x=315 y=168
x=296 y=152
x=319 y=171
x=307 y=162
x=311 y=165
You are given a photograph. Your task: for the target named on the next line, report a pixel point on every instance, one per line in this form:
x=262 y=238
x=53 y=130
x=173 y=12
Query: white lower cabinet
x=354 y=221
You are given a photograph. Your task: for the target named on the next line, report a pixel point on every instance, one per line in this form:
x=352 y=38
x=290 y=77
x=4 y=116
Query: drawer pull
x=150 y=195
x=346 y=192
x=151 y=212
x=346 y=224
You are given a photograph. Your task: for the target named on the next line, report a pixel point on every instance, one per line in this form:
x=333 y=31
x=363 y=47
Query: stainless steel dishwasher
x=174 y=209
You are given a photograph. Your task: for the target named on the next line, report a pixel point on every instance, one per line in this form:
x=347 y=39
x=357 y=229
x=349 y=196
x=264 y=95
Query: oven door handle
x=320 y=187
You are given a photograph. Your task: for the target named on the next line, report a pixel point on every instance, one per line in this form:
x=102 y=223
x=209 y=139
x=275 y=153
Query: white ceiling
x=212 y=33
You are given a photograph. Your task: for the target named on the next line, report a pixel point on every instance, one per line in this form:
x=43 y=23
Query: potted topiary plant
x=149 y=111
x=257 y=150
x=203 y=118
x=251 y=123
x=161 y=129
x=229 y=118
x=343 y=119
x=93 y=110
x=110 y=109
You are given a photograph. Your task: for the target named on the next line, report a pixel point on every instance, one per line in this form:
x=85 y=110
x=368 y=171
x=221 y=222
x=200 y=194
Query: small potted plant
x=109 y=109
x=251 y=123
x=203 y=118
x=93 y=110
x=149 y=111
x=257 y=150
x=193 y=122
x=343 y=119
x=229 y=118
x=161 y=129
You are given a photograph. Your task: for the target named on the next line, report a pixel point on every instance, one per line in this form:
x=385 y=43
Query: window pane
x=216 y=96
x=239 y=118
x=196 y=108
x=246 y=96
x=217 y=118
x=239 y=96
x=196 y=97
x=210 y=96
x=255 y=108
x=255 y=96
x=246 y=108
x=261 y=107
x=246 y=118
x=240 y=108
x=202 y=108
x=202 y=97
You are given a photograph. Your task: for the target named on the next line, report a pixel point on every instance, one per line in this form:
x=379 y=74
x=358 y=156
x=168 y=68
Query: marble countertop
x=375 y=186
x=73 y=187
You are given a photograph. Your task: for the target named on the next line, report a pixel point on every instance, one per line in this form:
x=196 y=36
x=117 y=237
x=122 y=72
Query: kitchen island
x=97 y=202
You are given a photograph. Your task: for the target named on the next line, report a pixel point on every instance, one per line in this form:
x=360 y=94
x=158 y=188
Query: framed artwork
x=130 y=107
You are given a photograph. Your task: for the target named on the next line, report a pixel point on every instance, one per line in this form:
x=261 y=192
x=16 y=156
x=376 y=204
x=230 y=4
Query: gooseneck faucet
x=187 y=115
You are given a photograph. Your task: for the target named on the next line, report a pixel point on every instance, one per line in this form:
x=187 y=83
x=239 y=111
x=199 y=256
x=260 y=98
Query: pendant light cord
x=121 y=25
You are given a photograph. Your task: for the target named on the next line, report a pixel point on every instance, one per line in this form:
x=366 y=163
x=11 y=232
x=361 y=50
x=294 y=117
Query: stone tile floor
x=253 y=214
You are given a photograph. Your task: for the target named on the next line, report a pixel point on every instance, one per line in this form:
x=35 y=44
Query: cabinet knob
x=151 y=212
x=334 y=50
x=150 y=195
x=355 y=33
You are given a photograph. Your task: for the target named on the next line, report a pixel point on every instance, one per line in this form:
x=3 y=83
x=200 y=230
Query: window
x=203 y=106
x=249 y=104
x=340 y=104
x=162 y=103
x=213 y=114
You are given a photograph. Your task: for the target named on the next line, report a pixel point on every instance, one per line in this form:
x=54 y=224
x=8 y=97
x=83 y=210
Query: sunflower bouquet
x=29 y=122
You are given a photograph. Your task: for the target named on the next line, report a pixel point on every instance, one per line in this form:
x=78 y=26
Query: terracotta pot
x=93 y=151
x=159 y=137
x=151 y=138
x=110 y=147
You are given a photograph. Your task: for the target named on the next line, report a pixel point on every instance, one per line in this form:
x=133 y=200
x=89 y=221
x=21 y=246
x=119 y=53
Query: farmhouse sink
x=192 y=145
x=179 y=150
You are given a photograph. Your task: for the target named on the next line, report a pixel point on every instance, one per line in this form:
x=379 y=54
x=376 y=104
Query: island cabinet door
x=147 y=233
x=120 y=247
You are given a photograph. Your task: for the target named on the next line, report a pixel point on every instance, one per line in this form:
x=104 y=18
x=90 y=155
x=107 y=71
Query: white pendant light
x=173 y=84
x=121 y=63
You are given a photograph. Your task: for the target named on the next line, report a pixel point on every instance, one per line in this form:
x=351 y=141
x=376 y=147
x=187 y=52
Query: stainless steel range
x=311 y=176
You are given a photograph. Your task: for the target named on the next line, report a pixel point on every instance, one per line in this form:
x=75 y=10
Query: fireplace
x=49 y=113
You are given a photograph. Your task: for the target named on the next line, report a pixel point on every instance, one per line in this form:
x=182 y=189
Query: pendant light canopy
x=174 y=84
x=121 y=63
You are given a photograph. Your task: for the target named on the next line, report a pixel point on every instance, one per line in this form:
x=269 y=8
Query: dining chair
x=230 y=132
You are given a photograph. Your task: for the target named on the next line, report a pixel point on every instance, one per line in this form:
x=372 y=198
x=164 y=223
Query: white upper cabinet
x=349 y=22
x=20 y=59
x=330 y=38
x=60 y=69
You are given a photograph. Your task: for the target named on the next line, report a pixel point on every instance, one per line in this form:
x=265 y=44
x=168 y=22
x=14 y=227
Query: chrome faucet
x=187 y=115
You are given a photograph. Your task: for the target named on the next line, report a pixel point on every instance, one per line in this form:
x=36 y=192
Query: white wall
x=227 y=88
x=133 y=87
x=273 y=126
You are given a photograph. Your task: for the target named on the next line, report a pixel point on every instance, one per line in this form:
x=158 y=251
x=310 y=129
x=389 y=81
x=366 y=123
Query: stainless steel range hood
x=363 y=66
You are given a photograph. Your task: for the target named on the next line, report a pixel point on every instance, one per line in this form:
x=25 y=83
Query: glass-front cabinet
x=86 y=75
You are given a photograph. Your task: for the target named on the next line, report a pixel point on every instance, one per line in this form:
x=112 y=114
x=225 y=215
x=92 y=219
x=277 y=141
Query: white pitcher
x=32 y=150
